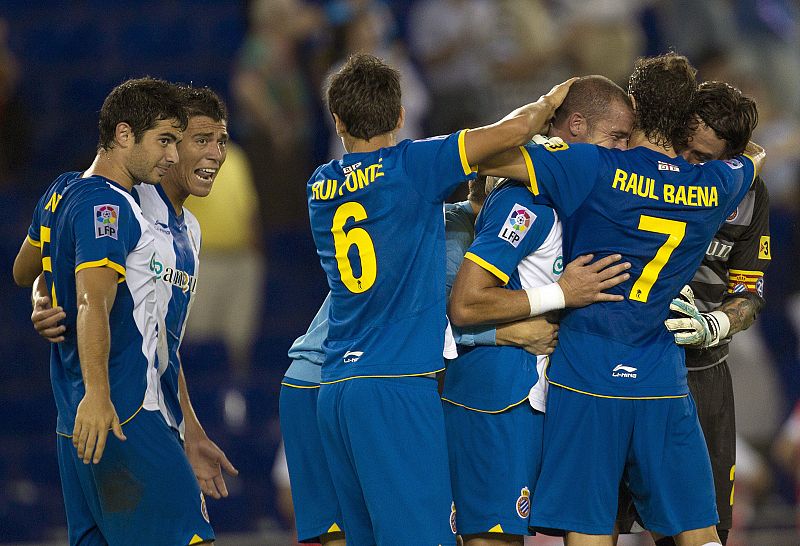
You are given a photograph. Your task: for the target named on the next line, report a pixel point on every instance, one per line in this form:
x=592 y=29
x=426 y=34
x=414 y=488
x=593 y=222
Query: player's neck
x=357 y=145
x=104 y=165
x=176 y=196
x=638 y=139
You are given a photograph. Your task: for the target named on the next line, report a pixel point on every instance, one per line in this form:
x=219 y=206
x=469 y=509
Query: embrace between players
x=517 y=443
x=373 y=456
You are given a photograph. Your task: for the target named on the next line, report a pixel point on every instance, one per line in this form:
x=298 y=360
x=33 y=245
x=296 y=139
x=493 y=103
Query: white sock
x=712 y=544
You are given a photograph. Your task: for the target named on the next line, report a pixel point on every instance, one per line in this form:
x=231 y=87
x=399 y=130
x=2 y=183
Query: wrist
x=724 y=323
x=545 y=298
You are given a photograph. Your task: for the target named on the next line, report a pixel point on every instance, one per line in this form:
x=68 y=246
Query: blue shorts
x=386 y=448
x=591 y=444
x=142 y=491
x=494 y=464
x=316 y=508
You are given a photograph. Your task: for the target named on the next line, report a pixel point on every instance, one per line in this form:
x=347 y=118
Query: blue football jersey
x=519 y=242
x=176 y=263
x=659 y=213
x=93 y=222
x=377 y=223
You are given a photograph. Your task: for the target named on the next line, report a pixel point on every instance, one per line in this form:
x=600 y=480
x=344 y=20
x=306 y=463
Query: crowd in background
x=463 y=63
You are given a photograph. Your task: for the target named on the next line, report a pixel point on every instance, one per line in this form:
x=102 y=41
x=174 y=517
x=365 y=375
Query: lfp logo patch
x=105 y=221
x=517 y=225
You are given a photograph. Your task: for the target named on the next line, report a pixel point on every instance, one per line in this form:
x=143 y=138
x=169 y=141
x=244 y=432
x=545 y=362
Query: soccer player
x=202 y=152
x=376 y=218
x=494 y=436
x=97 y=252
x=728 y=288
x=618 y=403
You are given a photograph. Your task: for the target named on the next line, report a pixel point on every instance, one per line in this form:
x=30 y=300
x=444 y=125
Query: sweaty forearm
x=189 y=416
x=94 y=342
x=741 y=312
x=494 y=305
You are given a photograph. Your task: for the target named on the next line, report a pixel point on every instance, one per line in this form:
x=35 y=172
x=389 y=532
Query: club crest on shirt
x=106 y=221
x=733 y=215
x=524 y=503
x=453 y=517
x=517 y=225
x=733 y=163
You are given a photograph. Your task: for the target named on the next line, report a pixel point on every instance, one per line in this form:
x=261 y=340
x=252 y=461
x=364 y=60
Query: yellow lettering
x=669 y=193
x=691 y=196
x=680 y=195
x=378 y=172
x=651 y=189
x=620 y=177
x=702 y=196
x=53 y=202
x=644 y=184
x=713 y=200
x=631 y=185
x=315 y=187
x=330 y=189
x=363 y=178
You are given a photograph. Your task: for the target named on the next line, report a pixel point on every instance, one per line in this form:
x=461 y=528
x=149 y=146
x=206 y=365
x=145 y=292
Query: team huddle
x=564 y=406
x=480 y=371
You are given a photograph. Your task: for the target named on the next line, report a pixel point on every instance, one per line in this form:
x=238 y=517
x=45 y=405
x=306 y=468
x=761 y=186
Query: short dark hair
x=664 y=89
x=140 y=103
x=590 y=96
x=365 y=94
x=731 y=115
x=203 y=101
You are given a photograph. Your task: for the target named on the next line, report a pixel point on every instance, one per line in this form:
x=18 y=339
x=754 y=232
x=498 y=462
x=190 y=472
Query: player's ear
x=578 y=125
x=341 y=128
x=401 y=119
x=633 y=102
x=123 y=134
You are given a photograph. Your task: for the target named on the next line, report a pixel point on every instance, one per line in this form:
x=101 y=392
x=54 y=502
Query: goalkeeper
x=726 y=292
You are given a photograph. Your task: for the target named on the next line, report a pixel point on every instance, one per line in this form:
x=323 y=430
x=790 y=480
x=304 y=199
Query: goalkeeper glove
x=693 y=328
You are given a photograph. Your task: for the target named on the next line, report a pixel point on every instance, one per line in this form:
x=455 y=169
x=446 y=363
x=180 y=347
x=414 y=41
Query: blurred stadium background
x=463 y=62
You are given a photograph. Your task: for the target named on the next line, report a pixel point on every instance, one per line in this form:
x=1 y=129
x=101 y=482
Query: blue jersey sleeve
x=508 y=228
x=34 y=230
x=561 y=175
x=106 y=230
x=437 y=165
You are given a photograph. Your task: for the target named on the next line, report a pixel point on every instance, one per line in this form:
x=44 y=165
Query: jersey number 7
x=675 y=232
x=342 y=241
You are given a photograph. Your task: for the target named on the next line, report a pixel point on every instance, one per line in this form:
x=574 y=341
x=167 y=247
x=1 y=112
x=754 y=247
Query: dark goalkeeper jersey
x=733 y=266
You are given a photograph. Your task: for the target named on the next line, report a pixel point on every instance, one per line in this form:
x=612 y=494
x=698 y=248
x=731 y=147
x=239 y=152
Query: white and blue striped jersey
x=177 y=245
x=81 y=223
x=518 y=242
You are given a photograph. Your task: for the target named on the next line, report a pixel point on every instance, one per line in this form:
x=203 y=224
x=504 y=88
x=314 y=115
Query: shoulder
x=191 y=221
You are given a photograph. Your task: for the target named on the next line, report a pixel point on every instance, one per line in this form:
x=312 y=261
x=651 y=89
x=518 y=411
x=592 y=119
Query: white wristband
x=545 y=298
x=724 y=324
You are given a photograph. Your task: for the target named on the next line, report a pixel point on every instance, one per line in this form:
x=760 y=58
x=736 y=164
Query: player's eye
x=202 y=141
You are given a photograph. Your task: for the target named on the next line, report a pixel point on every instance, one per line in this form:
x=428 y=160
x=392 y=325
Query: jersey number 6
x=675 y=232
x=359 y=237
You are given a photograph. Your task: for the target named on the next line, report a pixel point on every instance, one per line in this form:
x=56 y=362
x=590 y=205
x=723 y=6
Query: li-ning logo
x=624 y=371
x=352 y=356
